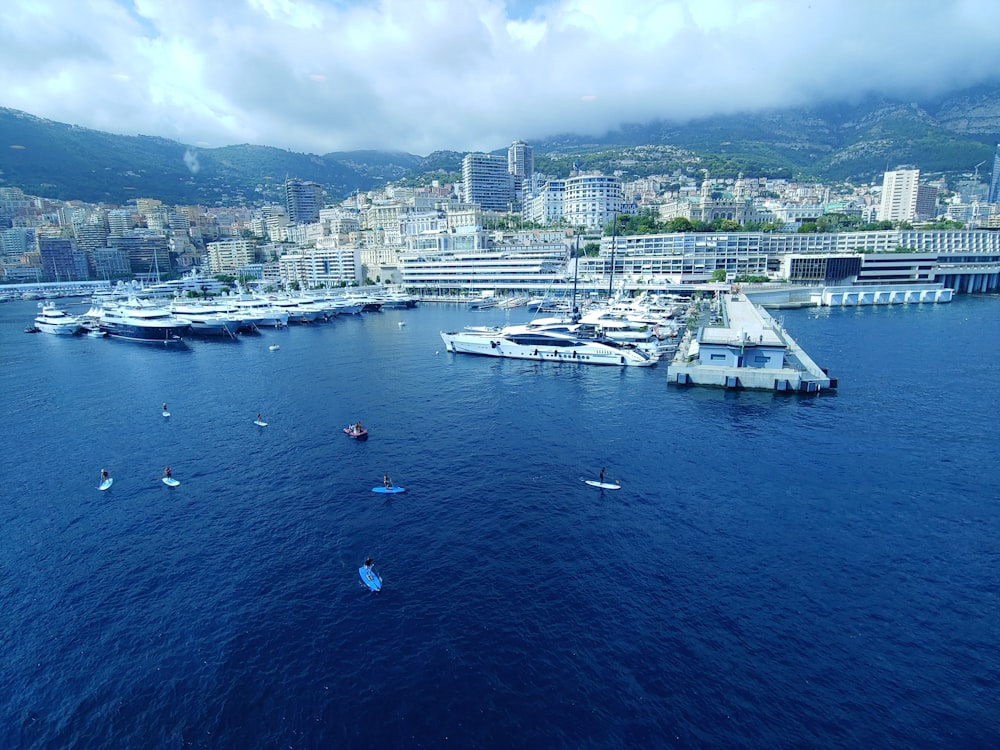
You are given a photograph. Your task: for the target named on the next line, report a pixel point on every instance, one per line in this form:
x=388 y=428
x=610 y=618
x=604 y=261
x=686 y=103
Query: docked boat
x=548 y=340
x=140 y=320
x=51 y=319
x=207 y=320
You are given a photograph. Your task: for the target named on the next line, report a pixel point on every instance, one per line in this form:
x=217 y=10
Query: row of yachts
x=145 y=320
x=627 y=333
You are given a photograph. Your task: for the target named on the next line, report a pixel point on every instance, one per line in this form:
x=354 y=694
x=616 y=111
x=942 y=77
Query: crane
x=975 y=174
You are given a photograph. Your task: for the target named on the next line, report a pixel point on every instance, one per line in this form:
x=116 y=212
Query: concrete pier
x=749 y=351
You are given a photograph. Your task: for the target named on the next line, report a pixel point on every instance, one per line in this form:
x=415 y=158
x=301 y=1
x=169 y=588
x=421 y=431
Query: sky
x=317 y=76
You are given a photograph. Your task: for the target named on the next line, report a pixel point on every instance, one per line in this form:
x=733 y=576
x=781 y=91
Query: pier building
x=749 y=350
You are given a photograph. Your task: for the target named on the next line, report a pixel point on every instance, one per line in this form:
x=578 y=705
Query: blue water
x=776 y=571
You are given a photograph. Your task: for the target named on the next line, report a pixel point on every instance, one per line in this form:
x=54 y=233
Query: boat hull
x=570 y=351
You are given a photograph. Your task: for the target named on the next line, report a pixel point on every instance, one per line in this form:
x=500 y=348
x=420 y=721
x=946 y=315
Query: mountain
x=835 y=141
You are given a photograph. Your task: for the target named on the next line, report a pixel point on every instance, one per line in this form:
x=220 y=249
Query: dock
x=747 y=349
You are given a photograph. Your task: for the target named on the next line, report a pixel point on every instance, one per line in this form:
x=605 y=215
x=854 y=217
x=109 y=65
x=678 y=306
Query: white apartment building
x=591 y=200
x=328 y=267
x=904 y=198
x=486 y=182
x=228 y=256
x=547 y=206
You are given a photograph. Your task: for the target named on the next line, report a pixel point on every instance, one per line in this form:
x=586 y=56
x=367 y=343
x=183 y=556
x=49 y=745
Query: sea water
x=776 y=571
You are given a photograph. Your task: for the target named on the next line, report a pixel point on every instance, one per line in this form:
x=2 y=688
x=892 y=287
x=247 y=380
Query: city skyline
x=317 y=77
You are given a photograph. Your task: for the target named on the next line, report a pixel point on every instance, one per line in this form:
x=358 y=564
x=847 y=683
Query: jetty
x=745 y=348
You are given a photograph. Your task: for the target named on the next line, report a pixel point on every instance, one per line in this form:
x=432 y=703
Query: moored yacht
x=548 y=340
x=51 y=319
x=139 y=320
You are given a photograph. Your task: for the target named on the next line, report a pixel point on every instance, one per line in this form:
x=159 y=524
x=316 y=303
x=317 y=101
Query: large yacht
x=51 y=319
x=139 y=320
x=548 y=340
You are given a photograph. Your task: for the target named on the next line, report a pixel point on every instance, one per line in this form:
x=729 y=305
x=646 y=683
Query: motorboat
x=51 y=319
x=549 y=340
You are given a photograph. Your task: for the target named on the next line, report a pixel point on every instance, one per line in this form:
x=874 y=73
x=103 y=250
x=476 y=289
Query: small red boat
x=355 y=433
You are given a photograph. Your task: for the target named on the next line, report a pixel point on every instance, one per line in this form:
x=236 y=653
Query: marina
x=210 y=614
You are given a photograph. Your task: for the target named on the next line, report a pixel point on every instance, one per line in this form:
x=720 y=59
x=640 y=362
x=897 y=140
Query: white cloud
x=467 y=74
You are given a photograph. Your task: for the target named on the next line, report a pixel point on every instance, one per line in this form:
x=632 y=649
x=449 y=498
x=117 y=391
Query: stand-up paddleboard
x=260 y=423
x=602 y=485
x=166 y=413
x=388 y=490
x=170 y=481
x=106 y=484
x=370 y=578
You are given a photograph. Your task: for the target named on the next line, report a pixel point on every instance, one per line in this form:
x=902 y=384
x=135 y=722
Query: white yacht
x=51 y=319
x=206 y=320
x=548 y=340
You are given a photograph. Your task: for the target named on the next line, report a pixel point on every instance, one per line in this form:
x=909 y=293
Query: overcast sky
x=421 y=75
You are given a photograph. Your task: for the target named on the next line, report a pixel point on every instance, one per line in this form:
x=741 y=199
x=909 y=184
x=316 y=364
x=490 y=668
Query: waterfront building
x=303 y=200
x=111 y=263
x=486 y=182
x=462 y=273
x=148 y=253
x=321 y=266
x=964 y=260
x=591 y=200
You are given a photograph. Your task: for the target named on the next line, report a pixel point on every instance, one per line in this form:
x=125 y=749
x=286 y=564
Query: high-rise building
x=62 y=260
x=521 y=160
x=303 y=201
x=486 y=182
x=904 y=198
x=994 y=193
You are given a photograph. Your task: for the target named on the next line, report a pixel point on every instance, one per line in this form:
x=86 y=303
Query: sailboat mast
x=575 y=314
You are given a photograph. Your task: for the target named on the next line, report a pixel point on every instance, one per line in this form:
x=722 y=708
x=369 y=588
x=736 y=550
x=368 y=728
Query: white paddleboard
x=602 y=485
x=260 y=423
x=166 y=413
x=170 y=481
x=106 y=484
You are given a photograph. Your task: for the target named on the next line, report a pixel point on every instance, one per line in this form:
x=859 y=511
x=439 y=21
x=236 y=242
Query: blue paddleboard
x=370 y=578
x=388 y=490
x=106 y=484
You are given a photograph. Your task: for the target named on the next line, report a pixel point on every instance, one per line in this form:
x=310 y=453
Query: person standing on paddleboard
x=104 y=475
x=602 y=475
x=386 y=481
x=166 y=472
